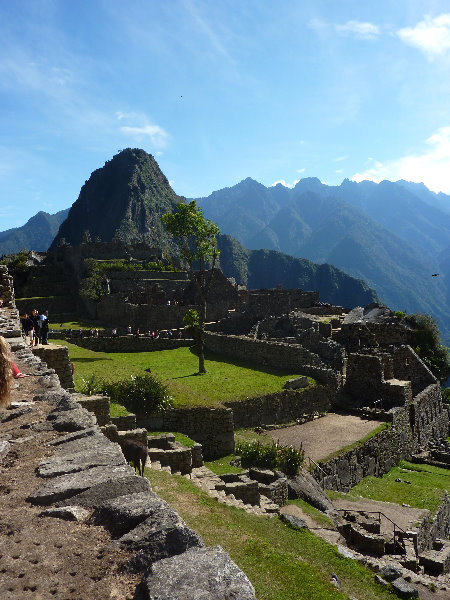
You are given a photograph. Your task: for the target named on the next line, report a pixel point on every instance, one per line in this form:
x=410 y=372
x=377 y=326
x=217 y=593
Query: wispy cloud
x=285 y=184
x=362 y=30
x=432 y=36
x=430 y=166
x=140 y=128
x=340 y=158
x=301 y=170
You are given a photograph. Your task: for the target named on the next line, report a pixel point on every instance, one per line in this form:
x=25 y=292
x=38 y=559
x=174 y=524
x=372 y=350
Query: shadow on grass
x=213 y=356
x=88 y=360
x=184 y=376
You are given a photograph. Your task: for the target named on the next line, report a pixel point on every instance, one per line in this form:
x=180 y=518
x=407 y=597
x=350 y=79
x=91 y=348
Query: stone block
x=206 y=573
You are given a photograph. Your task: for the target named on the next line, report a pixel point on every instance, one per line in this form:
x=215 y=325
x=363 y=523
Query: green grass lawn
x=225 y=380
x=281 y=563
x=425 y=489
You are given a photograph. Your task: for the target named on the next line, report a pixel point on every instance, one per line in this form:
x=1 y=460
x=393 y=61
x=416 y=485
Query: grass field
x=225 y=380
x=421 y=486
x=281 y=563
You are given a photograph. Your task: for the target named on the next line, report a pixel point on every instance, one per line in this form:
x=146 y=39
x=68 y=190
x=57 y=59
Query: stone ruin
x=84 y=478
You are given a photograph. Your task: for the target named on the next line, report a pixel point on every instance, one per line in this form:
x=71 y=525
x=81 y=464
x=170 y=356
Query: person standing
x=36 y=326
x=28 y=328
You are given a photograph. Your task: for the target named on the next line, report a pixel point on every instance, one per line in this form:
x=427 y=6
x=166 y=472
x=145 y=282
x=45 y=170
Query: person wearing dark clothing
x=28 y=327
x=36 y=326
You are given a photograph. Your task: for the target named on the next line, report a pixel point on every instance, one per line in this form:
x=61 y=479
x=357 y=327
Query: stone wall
x=281 y=407
x=6 y=287
x=57 y=358
x=437 y=526
x=280 y=355
x=210 y=427
x=127 y=343
x=413 y=425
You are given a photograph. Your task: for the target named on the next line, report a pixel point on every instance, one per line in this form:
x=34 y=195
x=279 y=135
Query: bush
x=141 y=394
x=270 y=456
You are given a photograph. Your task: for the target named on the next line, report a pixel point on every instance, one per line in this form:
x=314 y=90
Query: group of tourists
x=35 y=327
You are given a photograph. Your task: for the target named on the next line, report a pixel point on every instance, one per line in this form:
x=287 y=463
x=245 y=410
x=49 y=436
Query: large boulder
x=206 y=573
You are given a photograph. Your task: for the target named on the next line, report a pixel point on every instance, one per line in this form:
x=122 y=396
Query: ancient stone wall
x=413 y=425
x=55 y=305
x=57 y=358
x=437 y=526
x=281 y=407
x=408 y=366
x=275 y=301
x=126 y=343
x=273 y=354
x=6 y=287
x=210 y=427
x=358 y=335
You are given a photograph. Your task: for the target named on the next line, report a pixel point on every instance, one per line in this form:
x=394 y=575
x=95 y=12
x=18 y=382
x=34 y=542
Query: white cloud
x=339 y=170
x=359 y=29
x=430 y=167
x=284 y=184
x=340 y=158
x=432 y=36
x=301 y=170
x=139 y=129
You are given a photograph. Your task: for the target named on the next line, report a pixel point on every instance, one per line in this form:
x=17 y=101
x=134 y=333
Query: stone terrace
x=59 y=476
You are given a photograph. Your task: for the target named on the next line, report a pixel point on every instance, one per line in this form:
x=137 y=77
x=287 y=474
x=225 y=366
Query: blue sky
x=221 y=90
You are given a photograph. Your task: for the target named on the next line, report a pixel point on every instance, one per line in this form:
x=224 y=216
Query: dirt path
x=323 y=436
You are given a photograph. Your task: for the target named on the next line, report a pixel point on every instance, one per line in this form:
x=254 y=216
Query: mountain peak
x=125 y=197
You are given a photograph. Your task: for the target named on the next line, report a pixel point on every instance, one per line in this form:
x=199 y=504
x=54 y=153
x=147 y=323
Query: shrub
x=270 y=456
x=141 y=394
x=91 y=385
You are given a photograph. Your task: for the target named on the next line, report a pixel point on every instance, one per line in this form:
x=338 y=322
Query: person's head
x=5 y=373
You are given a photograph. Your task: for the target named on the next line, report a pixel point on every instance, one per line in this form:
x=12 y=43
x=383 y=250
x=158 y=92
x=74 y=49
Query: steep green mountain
x=382 y=233
x=125 y=198
x=269 y=269
x=37 y=233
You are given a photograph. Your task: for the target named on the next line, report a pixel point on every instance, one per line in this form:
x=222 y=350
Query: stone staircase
x=206 y=480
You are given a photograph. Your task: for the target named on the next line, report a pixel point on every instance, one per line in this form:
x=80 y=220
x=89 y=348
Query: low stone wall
x=99 y=405
x=281 y=407
x=126 y=343
x=57 y=358
x=210 y=427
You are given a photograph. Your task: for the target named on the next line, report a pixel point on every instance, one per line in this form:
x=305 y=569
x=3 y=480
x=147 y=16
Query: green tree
x=196 y=238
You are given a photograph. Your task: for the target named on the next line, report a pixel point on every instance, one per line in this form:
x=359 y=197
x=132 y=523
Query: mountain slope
x=126 y=197
x=381 y=233
x=269 y=269
x=37 y=233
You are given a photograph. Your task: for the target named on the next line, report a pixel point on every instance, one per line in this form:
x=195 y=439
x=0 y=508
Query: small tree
x=196 y=238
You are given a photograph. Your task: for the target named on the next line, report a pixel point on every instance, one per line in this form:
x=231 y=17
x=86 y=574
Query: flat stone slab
x=72 y=420
x=404 y=589
x=96 y=442
x=121 y=515
x=81 y=461
x=107 y=490
x=203 y=573
x=76 y=435
x=65 y=486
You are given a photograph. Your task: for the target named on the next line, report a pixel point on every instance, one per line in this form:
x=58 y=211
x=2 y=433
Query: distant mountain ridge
x=392 y=235
x=126 y=198
x=37 y=233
